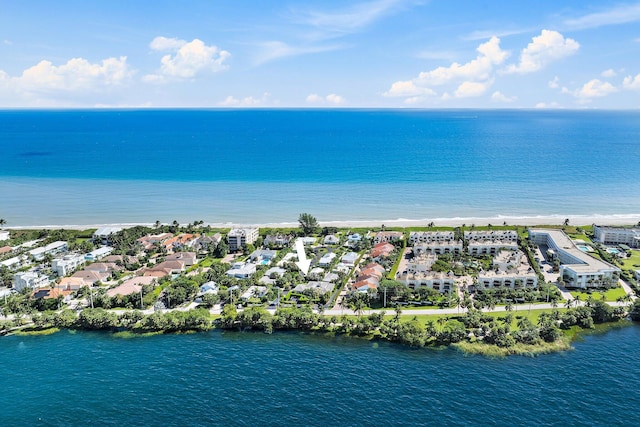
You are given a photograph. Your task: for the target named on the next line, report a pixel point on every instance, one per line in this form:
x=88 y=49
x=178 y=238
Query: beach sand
x=576 y=220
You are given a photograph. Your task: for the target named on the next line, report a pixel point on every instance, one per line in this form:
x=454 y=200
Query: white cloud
x=335 y=99
x=189 y=59
x=548 y=47
x=471 y=89
x=631 y=83
x=547 y=105
x=408 y=88
x=498 y=96
x=332 y=98
x=485 y=34
x=474 y=76
x=555 y=83
x=273 y=50
x=248 y=101
x=480 y=68
x=609 y=73
x=166 y=44
x=592 y=89
x=77 y=74
x=351 y=19
x=617 y=15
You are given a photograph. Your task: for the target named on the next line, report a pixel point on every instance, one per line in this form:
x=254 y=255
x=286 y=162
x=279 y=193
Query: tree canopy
x=308 y=223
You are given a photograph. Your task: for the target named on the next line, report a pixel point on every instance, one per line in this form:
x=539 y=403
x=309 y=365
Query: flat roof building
x=578 y=269
x=240 y=237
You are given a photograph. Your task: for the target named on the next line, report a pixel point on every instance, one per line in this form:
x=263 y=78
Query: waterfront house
x=4 y=235
x=104 y=235
x=387 y=236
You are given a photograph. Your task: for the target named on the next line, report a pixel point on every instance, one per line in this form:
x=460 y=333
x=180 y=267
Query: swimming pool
x=584 y=248
x=613 y=251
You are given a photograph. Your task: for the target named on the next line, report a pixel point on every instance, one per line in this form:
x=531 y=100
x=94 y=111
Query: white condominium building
x=240 y=237
x=578 y=269
x=617 y=236
x=491 y=242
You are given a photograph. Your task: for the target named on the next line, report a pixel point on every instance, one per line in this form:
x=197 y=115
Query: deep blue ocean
x=267 y=166
x=253 y=379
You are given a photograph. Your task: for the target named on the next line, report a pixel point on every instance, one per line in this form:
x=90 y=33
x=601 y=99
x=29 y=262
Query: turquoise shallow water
x=288 y=379
x=86 y=167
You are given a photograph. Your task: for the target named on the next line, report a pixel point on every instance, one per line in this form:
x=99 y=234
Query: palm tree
x=589 y=301
x=566 y=222
x=3 y=222
x=157 y=224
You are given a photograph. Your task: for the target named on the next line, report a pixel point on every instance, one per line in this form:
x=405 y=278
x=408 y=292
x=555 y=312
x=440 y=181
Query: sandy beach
x=400 y=222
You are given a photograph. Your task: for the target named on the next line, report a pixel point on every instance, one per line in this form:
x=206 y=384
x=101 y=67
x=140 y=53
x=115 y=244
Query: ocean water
x=267 y=166
x=249 y=379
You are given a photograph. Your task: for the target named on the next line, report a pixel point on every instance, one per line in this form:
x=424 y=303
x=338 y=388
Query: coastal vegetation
x=493 y=334
x=493 y=320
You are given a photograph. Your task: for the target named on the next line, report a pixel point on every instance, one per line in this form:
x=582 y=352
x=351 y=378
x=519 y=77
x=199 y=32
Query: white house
x=209 y=288
x=4 y=235
x=29 y=279
x=98 y=253
x=67 y=264
x=104 y=234
x=50 y=249
x=241 y=270
x=254 y=291
x=331 y=239
x=326 y=259
x=349 y=258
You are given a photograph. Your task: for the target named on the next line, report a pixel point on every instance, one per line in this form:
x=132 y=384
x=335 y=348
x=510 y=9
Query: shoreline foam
x=499 y=220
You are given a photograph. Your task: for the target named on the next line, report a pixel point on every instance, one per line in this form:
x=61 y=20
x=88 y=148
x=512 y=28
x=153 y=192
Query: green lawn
x=532 y=315
x=610 y=295
x=632 y=263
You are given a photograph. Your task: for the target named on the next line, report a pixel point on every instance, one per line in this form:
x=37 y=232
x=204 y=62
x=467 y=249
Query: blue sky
x=370 y=53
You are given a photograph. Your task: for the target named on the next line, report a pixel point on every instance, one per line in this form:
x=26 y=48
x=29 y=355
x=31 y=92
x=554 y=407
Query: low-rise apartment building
x=578 y=269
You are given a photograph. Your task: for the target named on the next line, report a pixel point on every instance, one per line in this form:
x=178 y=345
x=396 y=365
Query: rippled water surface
x=289 y=379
